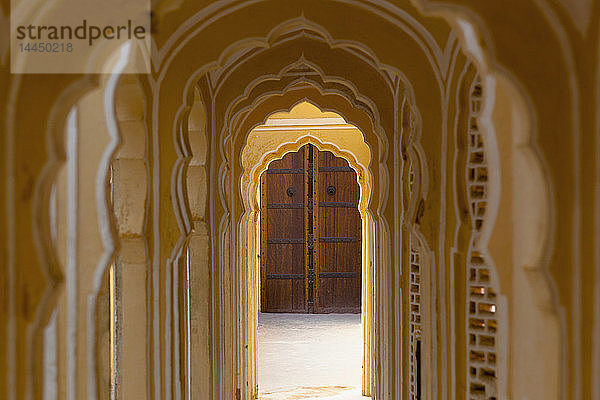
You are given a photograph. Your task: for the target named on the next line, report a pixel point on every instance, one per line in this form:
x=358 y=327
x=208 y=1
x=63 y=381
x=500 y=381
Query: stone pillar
x=130 y=202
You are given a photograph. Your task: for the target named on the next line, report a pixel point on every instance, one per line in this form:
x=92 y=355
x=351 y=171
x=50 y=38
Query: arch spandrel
x=263 y=150
x=358 y=110
x=271 y=64
x=286 y=100
x=176 y=17
x=422 y=54
x=430 y=33
x=292 y=143
x=371 y=85
x=366 y=116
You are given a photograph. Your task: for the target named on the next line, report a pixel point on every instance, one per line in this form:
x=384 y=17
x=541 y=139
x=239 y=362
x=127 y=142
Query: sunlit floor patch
x=309 y=356
x=320 y=392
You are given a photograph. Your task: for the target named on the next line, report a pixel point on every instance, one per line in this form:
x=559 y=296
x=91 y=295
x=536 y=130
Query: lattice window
x=481 y=305
x=415 y=324
x=415 y=310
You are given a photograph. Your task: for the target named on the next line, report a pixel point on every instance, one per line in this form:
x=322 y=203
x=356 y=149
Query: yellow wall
x=186 y=164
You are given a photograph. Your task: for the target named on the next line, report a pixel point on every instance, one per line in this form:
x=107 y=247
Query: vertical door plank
x=316 y=228
x=307 y=231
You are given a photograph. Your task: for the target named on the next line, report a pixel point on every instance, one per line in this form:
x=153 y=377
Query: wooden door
x=310 y=235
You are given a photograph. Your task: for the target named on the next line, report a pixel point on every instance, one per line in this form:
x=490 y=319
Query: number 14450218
x=46 y=47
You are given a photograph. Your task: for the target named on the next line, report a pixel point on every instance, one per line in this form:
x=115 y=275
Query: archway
x=250 y=109
x=262 y=147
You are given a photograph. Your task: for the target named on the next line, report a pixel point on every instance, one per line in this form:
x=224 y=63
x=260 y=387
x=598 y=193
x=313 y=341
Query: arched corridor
x=131 y=202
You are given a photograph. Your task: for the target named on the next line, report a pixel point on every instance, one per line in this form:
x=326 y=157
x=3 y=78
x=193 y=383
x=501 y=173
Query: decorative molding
x=387 y=11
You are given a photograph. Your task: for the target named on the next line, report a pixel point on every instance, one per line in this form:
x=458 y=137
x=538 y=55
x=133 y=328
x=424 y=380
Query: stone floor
x=309 y=356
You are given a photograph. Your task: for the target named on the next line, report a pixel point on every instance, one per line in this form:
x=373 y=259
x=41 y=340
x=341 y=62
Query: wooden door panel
x=339 y=278
x=279 y=186
x=338 y=295
x=346 y=187
x=286 y=224
x=283 y=259
x=338 y=222
x=284 y=295
x=284 y=279
x=338 y=257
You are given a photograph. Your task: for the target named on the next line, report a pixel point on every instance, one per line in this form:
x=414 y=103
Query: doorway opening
x=311 y=243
